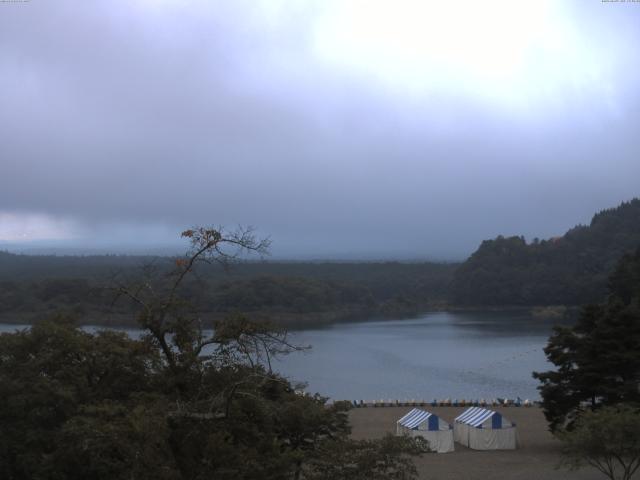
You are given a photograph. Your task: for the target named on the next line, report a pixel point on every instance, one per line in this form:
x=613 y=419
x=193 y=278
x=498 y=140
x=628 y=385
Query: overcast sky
x=364 y=128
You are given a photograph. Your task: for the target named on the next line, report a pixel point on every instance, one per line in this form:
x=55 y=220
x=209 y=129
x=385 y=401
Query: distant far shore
x=297 y=321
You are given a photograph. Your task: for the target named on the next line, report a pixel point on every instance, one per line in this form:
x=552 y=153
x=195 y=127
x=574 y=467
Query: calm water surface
x=455 y=355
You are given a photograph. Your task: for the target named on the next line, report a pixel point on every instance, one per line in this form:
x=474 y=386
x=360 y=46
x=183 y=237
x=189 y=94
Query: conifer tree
x=598 y=359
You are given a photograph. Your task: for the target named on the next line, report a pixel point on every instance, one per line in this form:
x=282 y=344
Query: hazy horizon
x=178 y=247
x=342 y=129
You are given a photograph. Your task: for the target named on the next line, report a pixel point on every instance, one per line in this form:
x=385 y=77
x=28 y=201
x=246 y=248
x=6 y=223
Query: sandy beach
x=536 y=458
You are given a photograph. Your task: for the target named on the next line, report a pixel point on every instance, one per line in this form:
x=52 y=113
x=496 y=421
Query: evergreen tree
x=598 y=359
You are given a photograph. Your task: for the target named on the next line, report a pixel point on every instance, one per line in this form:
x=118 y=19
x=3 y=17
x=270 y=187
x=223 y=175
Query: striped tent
x=483 y=429
x=432 y=428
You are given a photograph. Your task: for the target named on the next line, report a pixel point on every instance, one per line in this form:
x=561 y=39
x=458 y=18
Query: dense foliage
x=176 y=403
x=608 y=440
x=569 y=270
x=78 y=405
x=598 y=359
x=294 y=293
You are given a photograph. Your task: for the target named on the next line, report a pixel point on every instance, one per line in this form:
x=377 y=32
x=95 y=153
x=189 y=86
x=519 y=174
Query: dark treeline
x=290 y=292
x=567 y=270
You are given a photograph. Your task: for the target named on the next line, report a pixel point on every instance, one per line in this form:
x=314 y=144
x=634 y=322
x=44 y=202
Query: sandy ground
x=536 y=458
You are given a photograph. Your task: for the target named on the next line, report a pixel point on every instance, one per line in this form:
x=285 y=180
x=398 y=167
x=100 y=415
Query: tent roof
x=414 y=418
x=475 y=416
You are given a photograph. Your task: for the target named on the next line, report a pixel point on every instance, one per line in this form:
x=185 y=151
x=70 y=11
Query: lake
x=438 y=355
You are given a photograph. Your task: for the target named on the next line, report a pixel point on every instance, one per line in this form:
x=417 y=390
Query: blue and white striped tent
x=483 y=429
x=432 y=428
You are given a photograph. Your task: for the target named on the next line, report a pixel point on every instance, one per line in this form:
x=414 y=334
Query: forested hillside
x=570 y=270
x=296 y=293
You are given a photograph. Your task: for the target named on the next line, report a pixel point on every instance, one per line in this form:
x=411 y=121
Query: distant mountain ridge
x=570 y=270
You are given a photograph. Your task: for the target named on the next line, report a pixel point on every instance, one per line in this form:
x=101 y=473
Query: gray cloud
x=150 y=116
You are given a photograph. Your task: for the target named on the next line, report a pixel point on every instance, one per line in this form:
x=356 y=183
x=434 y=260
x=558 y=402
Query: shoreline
x=300 y=321
x=496 y=402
